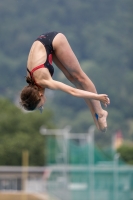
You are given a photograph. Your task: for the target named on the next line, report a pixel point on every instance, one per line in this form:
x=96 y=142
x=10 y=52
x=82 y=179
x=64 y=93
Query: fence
x=76 y=170
x=99 y=182
x=94 y=183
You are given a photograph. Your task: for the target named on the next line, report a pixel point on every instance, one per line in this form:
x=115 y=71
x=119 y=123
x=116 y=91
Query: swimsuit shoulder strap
x=34 y=69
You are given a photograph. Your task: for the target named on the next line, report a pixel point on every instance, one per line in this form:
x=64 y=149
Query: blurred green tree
x=20 y=131
x=126 y=153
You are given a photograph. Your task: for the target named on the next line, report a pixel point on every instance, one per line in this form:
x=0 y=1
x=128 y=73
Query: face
x=41 y=103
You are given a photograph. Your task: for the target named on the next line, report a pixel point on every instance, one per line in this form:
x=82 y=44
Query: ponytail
x=30 y=81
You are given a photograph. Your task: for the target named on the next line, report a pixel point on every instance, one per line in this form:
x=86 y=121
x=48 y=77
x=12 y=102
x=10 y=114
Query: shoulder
x=46 y=81
x=41 y=75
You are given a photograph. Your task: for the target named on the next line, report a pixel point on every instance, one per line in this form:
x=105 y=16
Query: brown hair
x=30 y=95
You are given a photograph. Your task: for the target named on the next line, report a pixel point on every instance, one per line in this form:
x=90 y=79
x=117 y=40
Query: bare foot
x=102 y=121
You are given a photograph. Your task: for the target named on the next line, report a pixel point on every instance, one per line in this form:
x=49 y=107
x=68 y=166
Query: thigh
x=62 y=68
x=65 y=54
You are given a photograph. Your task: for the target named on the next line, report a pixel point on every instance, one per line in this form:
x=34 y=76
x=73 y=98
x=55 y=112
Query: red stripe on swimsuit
x=32 y=71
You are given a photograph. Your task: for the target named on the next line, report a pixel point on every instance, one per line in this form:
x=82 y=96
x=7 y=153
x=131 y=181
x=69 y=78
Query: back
x=37 y=55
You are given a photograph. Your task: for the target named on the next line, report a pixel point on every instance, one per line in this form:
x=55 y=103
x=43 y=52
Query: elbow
x=73 y=92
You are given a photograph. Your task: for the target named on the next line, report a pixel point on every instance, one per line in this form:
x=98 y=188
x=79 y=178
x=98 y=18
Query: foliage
x=19 y=131
x=126 y=153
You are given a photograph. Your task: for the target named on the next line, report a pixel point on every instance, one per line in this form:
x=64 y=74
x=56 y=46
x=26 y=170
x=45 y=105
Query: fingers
x=108 y=100
x=105 y=100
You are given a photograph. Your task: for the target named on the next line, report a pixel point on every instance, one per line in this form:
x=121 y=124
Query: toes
x=104 y=129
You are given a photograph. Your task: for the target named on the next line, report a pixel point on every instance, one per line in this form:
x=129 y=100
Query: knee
x=75 y=77
x=79 y=78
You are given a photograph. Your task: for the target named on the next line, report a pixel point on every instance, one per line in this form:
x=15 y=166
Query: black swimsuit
x=46 y=39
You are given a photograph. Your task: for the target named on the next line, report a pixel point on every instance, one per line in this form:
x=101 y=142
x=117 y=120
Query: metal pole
x=91 y=162
x=116 y=160
x=66 y=133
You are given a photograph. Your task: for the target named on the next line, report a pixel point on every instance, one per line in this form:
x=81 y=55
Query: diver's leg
x=68 y=59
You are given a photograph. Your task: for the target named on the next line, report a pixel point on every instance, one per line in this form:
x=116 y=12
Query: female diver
x=54 y=46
